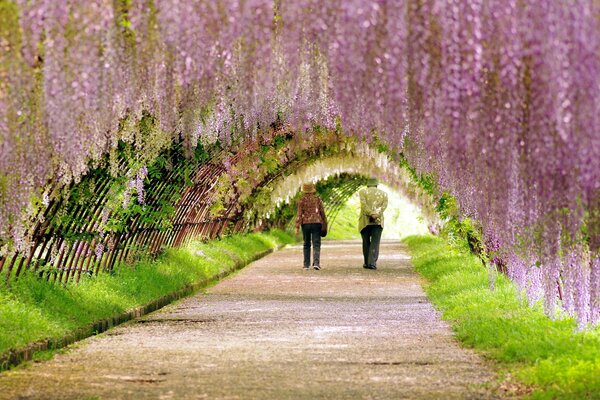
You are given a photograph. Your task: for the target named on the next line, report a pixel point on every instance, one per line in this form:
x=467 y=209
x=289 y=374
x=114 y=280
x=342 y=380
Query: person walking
x=373 y=202
x=311 y=217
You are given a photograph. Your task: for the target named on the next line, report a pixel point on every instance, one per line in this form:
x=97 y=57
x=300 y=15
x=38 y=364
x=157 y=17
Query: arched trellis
x=352 y=169
x=73 y=235
x=68 y=233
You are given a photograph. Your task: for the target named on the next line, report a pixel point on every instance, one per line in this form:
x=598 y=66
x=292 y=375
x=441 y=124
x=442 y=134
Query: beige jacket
x=373 y=203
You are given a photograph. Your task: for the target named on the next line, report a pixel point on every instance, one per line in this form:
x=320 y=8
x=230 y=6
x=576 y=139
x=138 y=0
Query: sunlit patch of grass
x=559 y=361
x=33 y=309
x=345 y=225
x=20 y=322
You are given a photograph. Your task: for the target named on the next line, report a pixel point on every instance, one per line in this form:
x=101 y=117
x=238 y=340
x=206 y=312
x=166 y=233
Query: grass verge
x=32 y=309
x=550 y=356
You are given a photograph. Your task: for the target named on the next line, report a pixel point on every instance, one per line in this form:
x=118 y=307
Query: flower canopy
x=499 y=100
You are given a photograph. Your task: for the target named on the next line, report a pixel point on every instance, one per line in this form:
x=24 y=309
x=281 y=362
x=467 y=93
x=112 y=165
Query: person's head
x=309 y=188
x=372 y=182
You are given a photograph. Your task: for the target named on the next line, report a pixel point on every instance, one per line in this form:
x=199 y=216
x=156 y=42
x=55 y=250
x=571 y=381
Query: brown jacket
x=310 y=210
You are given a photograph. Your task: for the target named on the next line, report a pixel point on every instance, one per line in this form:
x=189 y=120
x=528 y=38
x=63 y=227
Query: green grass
x=554 y=358
x=33 y=309
x=345 y=225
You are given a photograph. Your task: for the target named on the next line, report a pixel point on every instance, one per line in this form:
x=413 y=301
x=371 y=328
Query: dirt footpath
x=276 y=331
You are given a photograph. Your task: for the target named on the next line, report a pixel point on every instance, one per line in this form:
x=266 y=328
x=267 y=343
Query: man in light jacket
x=373 y=202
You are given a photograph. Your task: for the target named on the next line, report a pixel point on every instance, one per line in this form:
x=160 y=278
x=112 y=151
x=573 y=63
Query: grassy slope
x=33 y=309
x=346 y=222
x=551 y=355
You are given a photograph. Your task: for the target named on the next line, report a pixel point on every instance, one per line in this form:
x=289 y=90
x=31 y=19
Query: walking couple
x=312 y=220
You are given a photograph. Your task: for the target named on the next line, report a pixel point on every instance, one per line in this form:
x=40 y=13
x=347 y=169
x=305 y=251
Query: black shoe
x=365 y=266
x=317 y=267
x=306 y=268
x=371 y=267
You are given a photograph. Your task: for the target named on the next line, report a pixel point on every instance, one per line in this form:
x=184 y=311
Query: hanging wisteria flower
x=499 y=101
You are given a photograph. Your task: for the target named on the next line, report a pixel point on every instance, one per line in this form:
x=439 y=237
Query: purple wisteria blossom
x=499 y=101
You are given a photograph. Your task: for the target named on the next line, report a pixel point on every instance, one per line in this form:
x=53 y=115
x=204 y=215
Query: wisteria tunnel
x=193 y=108
x=180 y=198
x=128 y=127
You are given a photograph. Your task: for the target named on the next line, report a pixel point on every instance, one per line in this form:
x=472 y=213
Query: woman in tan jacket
x=311 y=217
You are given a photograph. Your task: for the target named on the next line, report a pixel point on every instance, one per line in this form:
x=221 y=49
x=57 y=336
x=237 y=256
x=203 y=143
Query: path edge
x=15 y=357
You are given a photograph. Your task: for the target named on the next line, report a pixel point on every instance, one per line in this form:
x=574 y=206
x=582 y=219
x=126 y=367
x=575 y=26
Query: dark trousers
x=371 y=237
x=312 y=233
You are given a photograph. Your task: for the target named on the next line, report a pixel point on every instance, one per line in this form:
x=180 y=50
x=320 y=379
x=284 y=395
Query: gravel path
x=275 y=331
